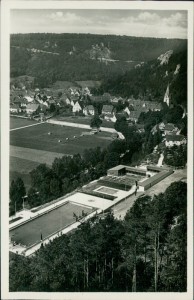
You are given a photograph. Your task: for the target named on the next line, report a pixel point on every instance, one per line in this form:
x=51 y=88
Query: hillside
x=74 y=57
x=150 y=80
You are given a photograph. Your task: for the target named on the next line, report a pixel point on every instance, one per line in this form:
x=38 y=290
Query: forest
x=150 y=81
x=145 y=252
x=79 y=56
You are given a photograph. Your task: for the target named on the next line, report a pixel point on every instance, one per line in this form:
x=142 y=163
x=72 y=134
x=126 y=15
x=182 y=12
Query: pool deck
x=98 y=203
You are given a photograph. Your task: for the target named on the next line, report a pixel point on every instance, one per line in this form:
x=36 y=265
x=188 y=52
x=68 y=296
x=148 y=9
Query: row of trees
x=145 y=252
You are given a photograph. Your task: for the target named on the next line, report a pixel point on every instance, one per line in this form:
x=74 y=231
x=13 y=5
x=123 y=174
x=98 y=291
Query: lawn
x=20 y=122
x=38 y=137
x=47 y=224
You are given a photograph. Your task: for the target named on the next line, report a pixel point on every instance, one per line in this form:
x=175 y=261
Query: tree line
x=145 y=252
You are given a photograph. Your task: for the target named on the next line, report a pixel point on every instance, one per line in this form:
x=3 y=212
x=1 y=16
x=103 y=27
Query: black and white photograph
x=97 y=192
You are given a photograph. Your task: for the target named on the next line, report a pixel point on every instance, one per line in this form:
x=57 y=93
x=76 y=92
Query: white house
x=29 y=99
x=127 y=110
x=76 y=107
x=89 y=110
x=174 y=139
x=107 y=109
x=31 y=108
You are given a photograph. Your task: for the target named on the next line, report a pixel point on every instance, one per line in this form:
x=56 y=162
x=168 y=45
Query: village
x=78 y=105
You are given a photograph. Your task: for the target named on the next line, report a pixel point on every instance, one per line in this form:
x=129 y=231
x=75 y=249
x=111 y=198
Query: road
x=35 y=124
x=121 y=208
x=79 y=125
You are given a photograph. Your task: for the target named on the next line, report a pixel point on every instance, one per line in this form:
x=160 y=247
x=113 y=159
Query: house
x=89 y=110
x=29 y=99
x=171 y=129
x=77 y=107
x=127 y=110
x=140 y=128
x=174 y=139
x=121 y=114
x=107 y=109
x=15 y=108
x=31 y=108
x=134 y=115
x=67 y=101
x=111 y=117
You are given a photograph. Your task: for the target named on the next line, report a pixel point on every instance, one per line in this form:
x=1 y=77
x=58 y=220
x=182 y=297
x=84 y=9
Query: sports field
x=20 y=122
x=47 y=136
x=47 y=224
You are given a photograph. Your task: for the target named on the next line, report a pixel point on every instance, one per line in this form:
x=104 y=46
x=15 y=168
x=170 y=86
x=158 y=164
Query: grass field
x=47 y=224
x=20 y=122
x=37 y=137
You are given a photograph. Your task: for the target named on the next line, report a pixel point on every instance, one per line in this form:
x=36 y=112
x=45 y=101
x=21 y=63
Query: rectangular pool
x=48 y=223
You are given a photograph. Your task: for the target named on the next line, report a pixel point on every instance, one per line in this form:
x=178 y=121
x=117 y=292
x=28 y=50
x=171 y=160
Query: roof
x=89 y=107
x=169 y=126
x=28 y=98
x=107 y=108
x=16 y=106
x=32 y=106
x=175 y=137
x=117 y=168
x=135 y=114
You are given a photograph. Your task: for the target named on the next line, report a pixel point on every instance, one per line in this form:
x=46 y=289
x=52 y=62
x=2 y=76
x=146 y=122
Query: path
x=26 y=126
x=121 y=208
x=79 y=125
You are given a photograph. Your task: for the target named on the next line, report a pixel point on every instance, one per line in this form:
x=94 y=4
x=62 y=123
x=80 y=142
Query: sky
x=145 y=23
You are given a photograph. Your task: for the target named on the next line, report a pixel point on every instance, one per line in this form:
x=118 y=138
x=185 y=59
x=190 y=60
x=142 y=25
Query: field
x=47 y=224
x=37 y=137
x=33 y=145
x=20 y=122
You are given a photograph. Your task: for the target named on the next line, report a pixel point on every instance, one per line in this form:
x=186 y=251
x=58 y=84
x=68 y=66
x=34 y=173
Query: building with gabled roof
x=32 y=107
x=89 y=110
x=174 y=139
x=107 y=109
x=77 y=107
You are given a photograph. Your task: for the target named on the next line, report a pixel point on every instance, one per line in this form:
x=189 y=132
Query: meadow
x=59 y=139
x=16 y=122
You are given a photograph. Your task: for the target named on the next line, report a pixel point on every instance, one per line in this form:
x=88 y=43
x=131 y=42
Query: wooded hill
x=50 y=57
x=149 y=81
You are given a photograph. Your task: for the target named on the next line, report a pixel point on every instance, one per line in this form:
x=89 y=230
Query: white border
x=6 y=6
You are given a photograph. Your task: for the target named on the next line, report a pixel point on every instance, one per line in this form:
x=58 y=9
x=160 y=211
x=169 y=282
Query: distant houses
x=15 y=108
